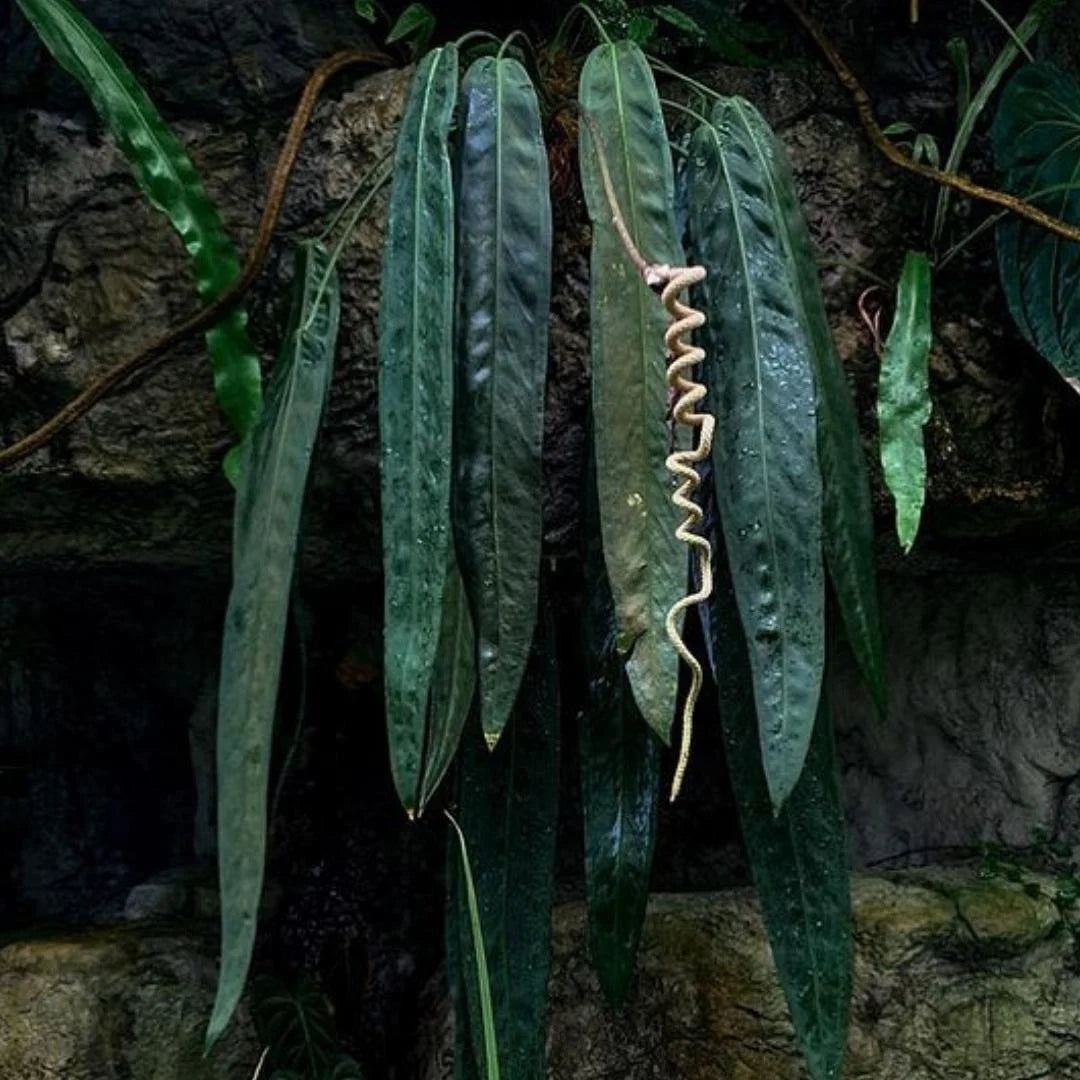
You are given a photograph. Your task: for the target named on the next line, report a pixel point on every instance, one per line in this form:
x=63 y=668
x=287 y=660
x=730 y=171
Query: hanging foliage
x=904 y=396
x=504 y=289
x=645 y=561
x=266 y=527
x=415 y=410
x=508 y=810
x=761 y=386
x=620 y=783
x=167 y=177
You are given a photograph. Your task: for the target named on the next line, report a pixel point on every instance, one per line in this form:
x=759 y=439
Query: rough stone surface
x=123 y=1004
x=955 y=979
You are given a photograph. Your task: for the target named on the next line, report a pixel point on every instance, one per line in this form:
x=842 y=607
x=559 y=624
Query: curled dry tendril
x=682 y=359
x=670 y=282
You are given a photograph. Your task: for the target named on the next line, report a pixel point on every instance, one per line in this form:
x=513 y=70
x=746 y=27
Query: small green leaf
x=641 y=29
x=901 y=127
x=167 y=177
x=365 y=9
x=647 y=565
x=686 y=24
x=415 y=410
x=904 y=397
x=265 y=536
x=504 y=292
x=508 y=809
x=798 y=857
x=1037 y=146
x=416 y=21
x=760 y=375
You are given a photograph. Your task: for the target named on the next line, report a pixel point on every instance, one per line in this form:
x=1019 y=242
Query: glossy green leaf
x=508 y=810
x=761 y=389
x=646 y=564
x=798 y=858
x=453 y=686
x=167 y=177
x=904 y=396
x=620 y=783
x=1037 y=146
x=504 y=289
x=417 y=21
x=265 y=532
x=415 y=409
x=847 y=511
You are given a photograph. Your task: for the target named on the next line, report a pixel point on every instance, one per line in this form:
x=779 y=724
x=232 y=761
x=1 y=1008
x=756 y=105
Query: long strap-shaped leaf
x=415 y=409
x=266 y=527
x=768 y=482
x=453 y=686
x=166 y=175
x=1037 y=144
x=904 y=396
x=508 y=811
x=620 y=784
x=798 y=857
x=848 y=515
x=646 y=564
x=504 y=260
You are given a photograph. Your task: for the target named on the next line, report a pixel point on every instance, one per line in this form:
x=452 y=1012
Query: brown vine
x=865 y=108
x=213 y=312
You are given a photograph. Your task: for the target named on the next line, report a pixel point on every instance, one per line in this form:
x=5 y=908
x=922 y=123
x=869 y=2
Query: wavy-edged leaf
x=453 y=686
x=904 y=396
x=415 y=409
x=508 y=809
x=646 y=564
x=167 y=177
x=296 y=1022
x=620 y=784
x=847 y=512
x=1037 y=145
x=266 y=527
x=798 y=857
x=504 y=289
x=761 y=389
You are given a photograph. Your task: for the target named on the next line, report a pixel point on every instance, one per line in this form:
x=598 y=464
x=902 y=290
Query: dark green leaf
x=295 y=1022
x=848 y=514
x=416 y=21
x=687 y=24
x=798 y=858
x=265 y=532
x=761 y=389
x=508 y=810
x=646 y=563
x=620 y=782
x=504 y=287
x=167 y=177
x=415 y=409
x=904 y=396
x=1037 y=146
x=453 y=686
x=641 y=29
x=365 y=9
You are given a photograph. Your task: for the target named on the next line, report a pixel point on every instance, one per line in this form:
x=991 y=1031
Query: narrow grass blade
x=265 y=535
x=167 y=177
x=646 y=564
x=504 y=287
x=415 y=409
x=904 y=396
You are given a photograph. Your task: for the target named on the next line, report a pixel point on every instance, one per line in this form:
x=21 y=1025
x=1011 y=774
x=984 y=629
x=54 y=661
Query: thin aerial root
x=682 y=464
